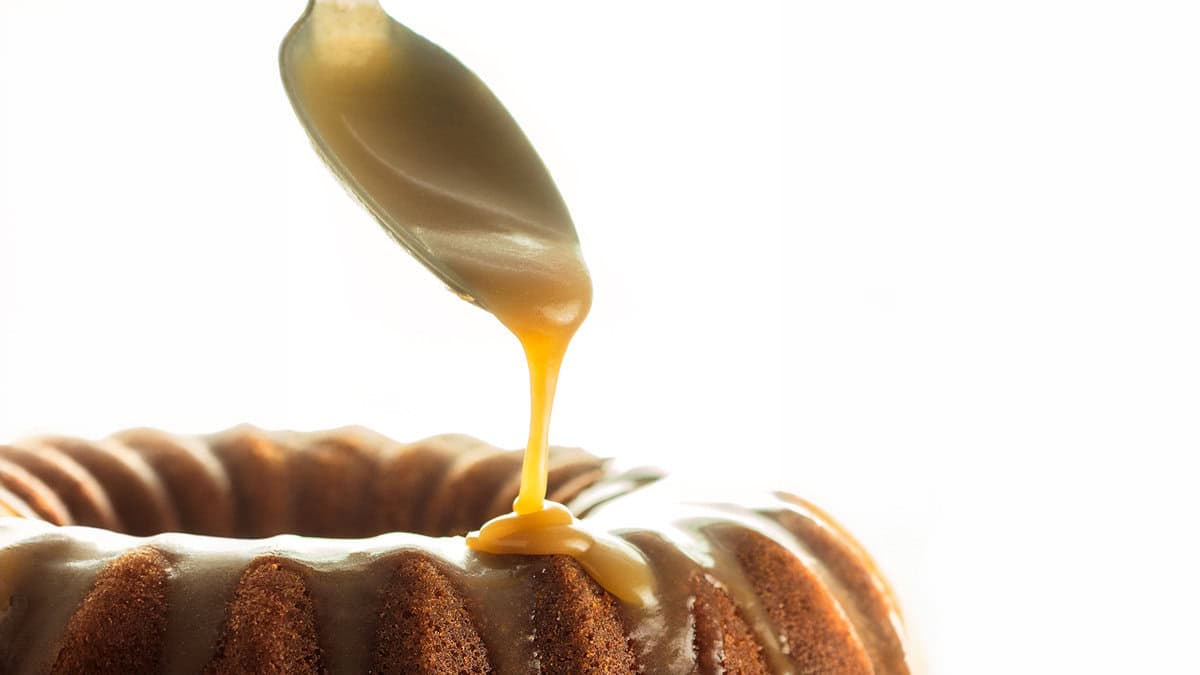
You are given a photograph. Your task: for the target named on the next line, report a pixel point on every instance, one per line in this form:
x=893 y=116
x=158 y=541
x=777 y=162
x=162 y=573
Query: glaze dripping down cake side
x=334 y=552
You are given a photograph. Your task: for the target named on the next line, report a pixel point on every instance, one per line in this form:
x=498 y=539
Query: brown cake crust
x=424 y=625
x=799 y=606
x=462 y=502
x=724 y=643
x=410 y=474
x=271 y=626
x=119 y=628
x=34 y=493
x=80 y=492
x=200 y=488
x=577 y=625
x=259 y=471
x=135 y=490
x=865 y=598
x=334 y=479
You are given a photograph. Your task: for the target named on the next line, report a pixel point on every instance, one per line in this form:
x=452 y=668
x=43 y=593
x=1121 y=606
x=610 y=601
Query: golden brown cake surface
x=351 y=563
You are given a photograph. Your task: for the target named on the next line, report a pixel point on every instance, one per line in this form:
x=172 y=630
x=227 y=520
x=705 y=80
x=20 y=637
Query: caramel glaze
x=763 y=552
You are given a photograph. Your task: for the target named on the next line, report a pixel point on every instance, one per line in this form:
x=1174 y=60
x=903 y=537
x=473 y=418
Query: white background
x=931 y=264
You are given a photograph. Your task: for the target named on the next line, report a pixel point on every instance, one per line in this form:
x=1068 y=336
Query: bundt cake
x=256 y=552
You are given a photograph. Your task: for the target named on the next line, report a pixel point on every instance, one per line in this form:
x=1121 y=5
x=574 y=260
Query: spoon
x=439 y=162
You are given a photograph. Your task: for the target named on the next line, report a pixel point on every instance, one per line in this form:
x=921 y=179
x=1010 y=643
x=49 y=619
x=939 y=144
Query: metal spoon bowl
x=431 y=153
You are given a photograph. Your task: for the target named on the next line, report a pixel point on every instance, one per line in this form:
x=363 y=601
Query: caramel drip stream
x=438 y=160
